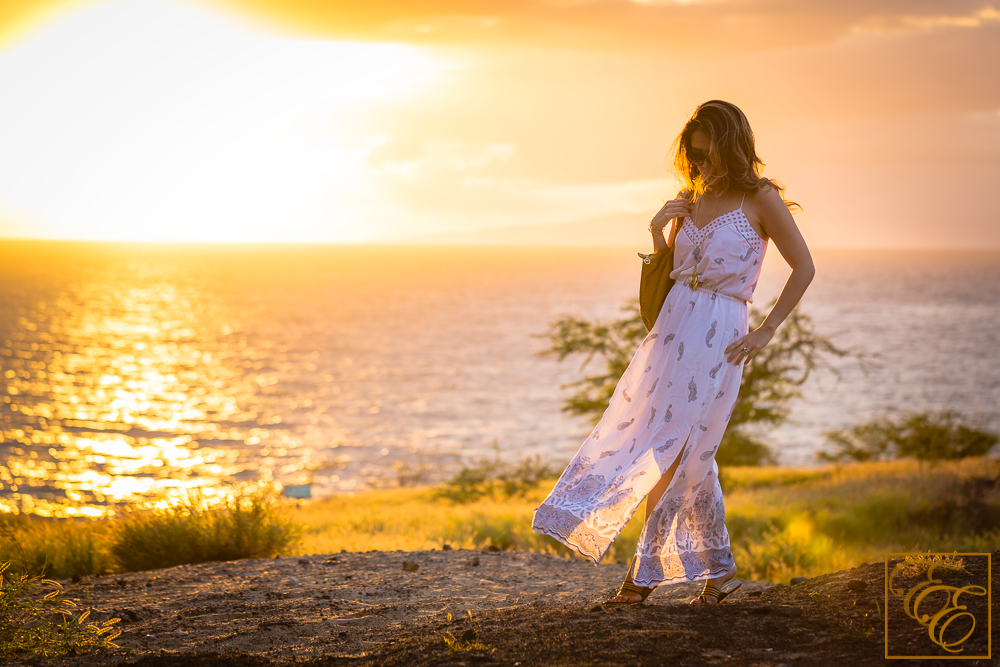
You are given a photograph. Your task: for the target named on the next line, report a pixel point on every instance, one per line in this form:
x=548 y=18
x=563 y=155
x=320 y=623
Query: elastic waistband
x=682 y=283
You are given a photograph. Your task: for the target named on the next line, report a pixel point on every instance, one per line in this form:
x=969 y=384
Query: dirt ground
x=376 y=608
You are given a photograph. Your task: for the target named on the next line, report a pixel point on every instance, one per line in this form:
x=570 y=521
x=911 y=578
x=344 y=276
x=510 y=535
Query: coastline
x=447 y=383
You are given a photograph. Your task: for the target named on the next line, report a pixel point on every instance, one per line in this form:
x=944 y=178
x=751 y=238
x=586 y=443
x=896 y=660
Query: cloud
x=456 y=185
x=543 y=112
x=906 y=23
x=666 y=26
x=476 y=203
x=678 y=27
x=447 y=155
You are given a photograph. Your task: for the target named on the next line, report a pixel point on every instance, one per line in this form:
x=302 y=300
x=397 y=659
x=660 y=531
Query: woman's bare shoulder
x=767 y=199
x=766 y=194
x=761 y=205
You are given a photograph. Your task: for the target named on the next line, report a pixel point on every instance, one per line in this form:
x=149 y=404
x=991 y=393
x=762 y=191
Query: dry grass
x=247 y=524
x=251 y=523
x=783 y=522
x=45 y=623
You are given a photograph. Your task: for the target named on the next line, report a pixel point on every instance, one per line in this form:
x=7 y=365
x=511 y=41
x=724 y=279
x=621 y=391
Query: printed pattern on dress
x=727 y=254
x=668 y=405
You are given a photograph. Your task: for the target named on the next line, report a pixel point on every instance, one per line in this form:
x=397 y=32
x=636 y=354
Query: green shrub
x=26 y=623
x=738 y=449
x=923 y=436
x=250 y=524
x=55 y=547
x=784 y=550
x=495 y=478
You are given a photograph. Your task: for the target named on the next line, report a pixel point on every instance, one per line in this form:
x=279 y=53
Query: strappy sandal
x=717 y=594
x=629 y=587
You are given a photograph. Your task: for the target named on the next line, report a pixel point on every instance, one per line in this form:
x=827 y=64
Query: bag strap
x=674 y=229
x=675 y=226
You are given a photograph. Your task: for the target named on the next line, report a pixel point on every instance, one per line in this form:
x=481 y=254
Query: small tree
x=769 y=382
x=925 y=436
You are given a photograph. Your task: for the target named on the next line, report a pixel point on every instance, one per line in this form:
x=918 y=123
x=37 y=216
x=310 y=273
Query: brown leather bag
x=655 y=281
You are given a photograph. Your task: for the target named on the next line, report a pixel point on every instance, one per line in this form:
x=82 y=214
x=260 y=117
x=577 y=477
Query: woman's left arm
x=779 y=226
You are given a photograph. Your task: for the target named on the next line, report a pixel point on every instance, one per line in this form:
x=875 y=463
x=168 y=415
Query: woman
x=671 y=406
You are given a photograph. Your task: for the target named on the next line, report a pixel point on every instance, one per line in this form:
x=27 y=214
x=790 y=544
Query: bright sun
x=151 y=120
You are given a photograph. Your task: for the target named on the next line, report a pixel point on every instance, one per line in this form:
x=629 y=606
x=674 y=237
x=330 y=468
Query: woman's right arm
x=675 y=208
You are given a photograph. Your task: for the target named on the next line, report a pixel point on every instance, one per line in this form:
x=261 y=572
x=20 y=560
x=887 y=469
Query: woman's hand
x=675 y=208
x=753 y=343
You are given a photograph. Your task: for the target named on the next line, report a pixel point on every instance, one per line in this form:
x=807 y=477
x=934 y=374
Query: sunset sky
x=445 y=121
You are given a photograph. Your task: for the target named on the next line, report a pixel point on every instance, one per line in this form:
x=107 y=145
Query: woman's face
x=698 y=155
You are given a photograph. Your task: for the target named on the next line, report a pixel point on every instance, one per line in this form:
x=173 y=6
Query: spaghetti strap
x=742 y=200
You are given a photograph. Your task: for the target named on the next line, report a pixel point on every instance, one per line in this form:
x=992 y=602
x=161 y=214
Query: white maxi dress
x=678 y=393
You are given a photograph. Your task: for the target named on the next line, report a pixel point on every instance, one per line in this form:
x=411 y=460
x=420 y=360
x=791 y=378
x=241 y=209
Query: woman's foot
x=626 y=597
x=716 y=583
x=628 y=592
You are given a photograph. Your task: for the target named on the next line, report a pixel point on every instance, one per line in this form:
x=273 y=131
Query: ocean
x=129 y=372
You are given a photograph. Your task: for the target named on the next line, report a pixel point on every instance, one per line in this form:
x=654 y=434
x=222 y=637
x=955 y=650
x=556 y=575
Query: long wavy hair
x=735 y=165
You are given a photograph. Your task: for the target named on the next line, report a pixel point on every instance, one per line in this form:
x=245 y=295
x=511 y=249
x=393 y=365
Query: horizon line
x=376 y=243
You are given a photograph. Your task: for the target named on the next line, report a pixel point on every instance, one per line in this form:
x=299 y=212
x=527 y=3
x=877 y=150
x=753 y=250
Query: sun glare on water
x=149 y=120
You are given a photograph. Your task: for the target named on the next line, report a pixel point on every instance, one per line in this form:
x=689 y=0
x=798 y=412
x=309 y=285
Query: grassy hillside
x=782 y=522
